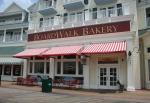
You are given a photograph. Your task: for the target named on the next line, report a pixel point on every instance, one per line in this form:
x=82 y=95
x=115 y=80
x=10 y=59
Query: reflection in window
x=102 y=13
x=47 y=67
x=31 y=66
x=119 y=10
x=1 y=69
x=17 y=70
x=80 y=67
x=69 y=67
x=7 y=70
x=70 y=57
x=58 y=67
x=111 y=11
x=94 y=15
x=39 y=67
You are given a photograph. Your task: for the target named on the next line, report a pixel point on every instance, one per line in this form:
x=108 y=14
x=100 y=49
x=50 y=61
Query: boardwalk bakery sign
x=81 y=31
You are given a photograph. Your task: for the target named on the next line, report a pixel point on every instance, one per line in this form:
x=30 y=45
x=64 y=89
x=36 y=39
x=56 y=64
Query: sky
x=22 y=3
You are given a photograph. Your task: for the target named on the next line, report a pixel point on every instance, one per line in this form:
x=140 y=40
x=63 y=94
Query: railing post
x=4 y=38
x=21 y=37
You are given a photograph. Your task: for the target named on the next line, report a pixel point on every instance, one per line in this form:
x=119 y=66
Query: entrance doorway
x=107 y=77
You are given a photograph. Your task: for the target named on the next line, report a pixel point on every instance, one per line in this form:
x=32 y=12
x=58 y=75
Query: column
x=4 y=38
x=21 y=37
x=25 y=70
x=23 y=16
x=86 y=75
x=52 y=68
x=12 y=71
x=130 y=69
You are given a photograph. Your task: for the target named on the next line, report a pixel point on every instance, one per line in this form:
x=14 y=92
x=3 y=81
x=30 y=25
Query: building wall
x=94 y=66
x=13 y=20
x=141 y=10
x=146 y=45
x=129 y=67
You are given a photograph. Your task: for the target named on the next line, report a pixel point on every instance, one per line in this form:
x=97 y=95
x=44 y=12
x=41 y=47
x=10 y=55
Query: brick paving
x=20 y=94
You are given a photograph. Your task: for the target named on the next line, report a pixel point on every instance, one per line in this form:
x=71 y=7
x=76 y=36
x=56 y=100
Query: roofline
x=14 y=3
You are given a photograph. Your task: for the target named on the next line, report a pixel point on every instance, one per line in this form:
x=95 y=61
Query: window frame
x=62 y=60
x=33 y=61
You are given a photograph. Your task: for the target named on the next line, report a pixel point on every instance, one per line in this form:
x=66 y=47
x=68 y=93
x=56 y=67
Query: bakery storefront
x=94 y=56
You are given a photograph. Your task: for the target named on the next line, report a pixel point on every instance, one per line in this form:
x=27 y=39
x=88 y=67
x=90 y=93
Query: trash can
x=47 y=85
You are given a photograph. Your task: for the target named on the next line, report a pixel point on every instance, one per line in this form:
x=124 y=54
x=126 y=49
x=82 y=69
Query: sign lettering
x=81 y=31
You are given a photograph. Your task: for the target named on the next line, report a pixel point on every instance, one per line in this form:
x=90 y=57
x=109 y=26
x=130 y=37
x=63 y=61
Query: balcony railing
x=13 y=38
x=47 y=7
x=44 y=6
x=73 y=4
x=10 y=22
x=72 y=1
x=78 y=19
x=1 y=38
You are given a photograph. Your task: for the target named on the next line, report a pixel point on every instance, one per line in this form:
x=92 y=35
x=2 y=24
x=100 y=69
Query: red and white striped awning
x=64 y=50
x=112 y=47
x=30 y=52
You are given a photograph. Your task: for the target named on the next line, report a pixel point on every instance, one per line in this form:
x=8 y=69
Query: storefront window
x=7 y=70
x=1 y=69
x=59 y=57
x=70 y=57
x=58 y=67
x=80 y=67
x=69 y=67
x=31 y=66
x=17 y=70
x=39 y=58
x=149 y=69
x=47 y=67
x=39 y=67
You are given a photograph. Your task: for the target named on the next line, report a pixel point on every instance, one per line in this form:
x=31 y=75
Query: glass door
x=107 y=77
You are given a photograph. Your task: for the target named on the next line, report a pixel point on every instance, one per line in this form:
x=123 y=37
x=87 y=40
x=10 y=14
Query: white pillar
x=4 y=38
x=23 y=16
x=130 y=69
x=25 y=70
x=12 y=71
x=52 y=68
x=45 y=63
x=86 y=74
x=21 y=37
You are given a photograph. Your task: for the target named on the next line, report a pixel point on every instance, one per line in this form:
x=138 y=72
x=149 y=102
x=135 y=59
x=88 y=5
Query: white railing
x=13 y=38
x=75 y=19
x=71 y=1
x=10 y=22
x=1 y=38
x=47 y=4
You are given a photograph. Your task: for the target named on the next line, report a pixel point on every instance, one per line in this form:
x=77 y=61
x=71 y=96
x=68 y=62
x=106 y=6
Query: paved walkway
x=32 y=94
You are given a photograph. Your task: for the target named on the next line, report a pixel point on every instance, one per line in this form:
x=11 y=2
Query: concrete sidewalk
x=141 y=96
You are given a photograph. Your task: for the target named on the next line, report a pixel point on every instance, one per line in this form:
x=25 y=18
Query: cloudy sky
x=23 y=3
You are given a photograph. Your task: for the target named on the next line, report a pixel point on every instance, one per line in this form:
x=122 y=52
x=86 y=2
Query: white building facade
x=93 y=41
x=13 y=27
x=143 y=8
